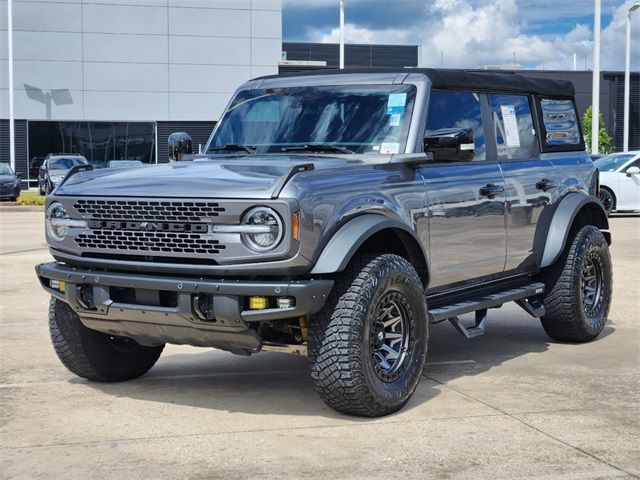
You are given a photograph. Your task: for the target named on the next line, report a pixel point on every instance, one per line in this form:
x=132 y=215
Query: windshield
x=5 y=169
x=360 y=118
x=66 y=163
x=612 y=162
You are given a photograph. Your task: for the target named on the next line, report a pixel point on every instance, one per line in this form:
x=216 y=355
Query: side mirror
x=179 y=144
x=632 y=171
x=19 y=175
x=450 y=144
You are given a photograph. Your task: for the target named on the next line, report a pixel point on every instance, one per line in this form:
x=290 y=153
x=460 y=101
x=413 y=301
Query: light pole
x=342 y=34
x=627 y=77
x=12 y=133
x=595 y=94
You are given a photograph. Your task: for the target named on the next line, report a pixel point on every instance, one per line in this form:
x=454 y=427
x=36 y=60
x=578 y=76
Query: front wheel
x=368 y=345
x=578 y=289
x=94 y=355
x=608 y=200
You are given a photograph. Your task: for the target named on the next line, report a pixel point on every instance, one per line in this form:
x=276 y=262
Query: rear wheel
x=368 y=345
x=578 y=289
x=95 y=355
x=608 y=200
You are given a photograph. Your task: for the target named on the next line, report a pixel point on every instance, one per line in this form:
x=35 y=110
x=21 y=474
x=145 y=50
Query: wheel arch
x=576 y=209
x=372 y=232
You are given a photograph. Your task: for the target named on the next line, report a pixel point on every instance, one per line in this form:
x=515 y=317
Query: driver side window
x=457 y=110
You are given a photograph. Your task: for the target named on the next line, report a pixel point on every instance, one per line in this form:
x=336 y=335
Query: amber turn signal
x=296 y=226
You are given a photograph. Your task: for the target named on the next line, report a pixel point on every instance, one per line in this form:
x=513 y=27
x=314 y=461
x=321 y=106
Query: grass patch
x=29 y=197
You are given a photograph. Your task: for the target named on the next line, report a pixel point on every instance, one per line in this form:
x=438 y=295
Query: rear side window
x=560 y=123
x=513 y=126
x=449 y=110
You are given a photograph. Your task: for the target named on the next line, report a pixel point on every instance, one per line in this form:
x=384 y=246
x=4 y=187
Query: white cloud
x=481 y=32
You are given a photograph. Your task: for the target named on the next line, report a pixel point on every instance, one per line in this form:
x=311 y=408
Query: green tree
x=605 y=142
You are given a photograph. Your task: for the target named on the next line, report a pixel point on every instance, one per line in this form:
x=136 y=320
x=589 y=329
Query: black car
x=54 y=168
x=9 y=183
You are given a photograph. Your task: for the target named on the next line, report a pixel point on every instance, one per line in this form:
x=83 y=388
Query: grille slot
x=136 y=241
x=148 y=210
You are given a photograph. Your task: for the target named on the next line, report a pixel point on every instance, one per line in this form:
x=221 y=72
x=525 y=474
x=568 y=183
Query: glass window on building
x=98 y=142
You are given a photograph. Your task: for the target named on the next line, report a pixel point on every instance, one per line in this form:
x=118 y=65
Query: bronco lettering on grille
x=148 y=226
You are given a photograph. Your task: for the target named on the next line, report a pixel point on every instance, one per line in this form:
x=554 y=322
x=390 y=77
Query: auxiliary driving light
x=286 y=302
x=57 y=285
x=258 y=303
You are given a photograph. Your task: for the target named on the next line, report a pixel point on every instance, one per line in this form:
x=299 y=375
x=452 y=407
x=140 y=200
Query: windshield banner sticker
x=396 y=103
x=510 y=122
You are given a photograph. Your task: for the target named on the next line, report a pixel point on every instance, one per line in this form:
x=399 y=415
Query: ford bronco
x=336 y=215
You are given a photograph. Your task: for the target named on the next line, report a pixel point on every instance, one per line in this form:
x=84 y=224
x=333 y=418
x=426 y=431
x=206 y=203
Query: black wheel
x=40 y=189
x=368 y=345
x=95 y=355
x=608 y=200
x=578 y=289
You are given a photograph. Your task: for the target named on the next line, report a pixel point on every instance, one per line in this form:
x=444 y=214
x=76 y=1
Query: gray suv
x=337 y=215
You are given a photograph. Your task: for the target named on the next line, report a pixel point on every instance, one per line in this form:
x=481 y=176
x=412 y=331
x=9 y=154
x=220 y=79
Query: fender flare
x=344 y=243
x=563 y=218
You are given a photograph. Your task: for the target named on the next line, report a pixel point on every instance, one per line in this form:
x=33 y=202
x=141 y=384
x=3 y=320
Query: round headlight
x=264 y=229
x=56 y=229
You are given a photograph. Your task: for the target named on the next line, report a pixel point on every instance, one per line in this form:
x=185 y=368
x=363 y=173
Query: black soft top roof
x=479 y=80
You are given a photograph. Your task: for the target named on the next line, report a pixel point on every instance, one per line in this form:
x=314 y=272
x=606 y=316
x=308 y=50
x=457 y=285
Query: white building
x=111 y=78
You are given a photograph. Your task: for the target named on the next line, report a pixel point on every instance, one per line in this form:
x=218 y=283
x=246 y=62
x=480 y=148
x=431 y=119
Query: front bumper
x=9 y=191
x=160 y=309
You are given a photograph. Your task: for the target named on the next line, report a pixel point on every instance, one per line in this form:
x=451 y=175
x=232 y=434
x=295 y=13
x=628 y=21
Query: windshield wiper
x=234 y=147
x=317 y=147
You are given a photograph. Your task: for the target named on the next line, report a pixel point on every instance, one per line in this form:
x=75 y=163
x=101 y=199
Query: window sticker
x=394 y=120
x=389 y=148
x=510 y=122
x=396 y=103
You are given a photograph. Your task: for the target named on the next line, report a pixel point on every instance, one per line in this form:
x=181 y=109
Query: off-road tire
x=566 y=318
x=340 y=352
x=94 y=355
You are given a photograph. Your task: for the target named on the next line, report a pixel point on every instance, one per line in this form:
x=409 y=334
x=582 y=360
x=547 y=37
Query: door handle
x=546 y=184
x=491 y=190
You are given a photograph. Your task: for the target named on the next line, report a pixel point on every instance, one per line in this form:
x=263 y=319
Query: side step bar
x=526 y=297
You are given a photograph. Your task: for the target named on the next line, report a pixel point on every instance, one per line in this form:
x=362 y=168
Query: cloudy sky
x=474 y=32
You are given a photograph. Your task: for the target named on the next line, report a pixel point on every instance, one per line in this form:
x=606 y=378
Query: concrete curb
x=22 y=208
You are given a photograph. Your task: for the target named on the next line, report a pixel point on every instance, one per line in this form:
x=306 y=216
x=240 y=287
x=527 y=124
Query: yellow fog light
x=57 y=285
x=258 y=303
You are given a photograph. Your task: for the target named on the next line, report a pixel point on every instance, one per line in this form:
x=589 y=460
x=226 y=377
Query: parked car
x=54 y=168
x=620 y=181
x=337 y=215
x=9 y=183
x=34 y=167
x=124 y=163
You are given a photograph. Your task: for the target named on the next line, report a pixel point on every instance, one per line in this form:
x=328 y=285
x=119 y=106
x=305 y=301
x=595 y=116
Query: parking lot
x=509 y=404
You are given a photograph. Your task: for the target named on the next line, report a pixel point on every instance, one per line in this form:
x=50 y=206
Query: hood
x=58 y=172
x=226 y=177
x=7 y=178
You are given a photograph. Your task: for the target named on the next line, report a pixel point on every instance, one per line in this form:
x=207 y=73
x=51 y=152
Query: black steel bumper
x=152 y=322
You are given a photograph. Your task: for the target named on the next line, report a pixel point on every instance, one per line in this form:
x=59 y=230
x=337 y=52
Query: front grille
x=136 y=241
x=148 y=210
